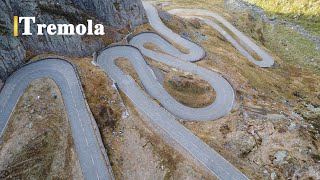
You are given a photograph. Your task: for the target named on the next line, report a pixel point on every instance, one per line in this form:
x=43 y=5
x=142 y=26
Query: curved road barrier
x=267 y=60
x=93 y=160
x=159 y=116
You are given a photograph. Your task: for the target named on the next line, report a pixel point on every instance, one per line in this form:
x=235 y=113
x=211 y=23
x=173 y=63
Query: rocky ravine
x=115 y=15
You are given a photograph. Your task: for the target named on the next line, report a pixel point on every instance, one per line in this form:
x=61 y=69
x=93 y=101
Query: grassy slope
x=304 y=12
x=285 y=42
x=292 y=52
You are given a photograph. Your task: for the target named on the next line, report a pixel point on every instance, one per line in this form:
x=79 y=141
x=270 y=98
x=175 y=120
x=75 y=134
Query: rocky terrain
x=118 y=18
x=12 y=54
x=271 y=133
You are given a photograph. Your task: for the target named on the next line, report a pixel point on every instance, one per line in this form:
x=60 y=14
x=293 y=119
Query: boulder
x=240 y=142
x=280 y=157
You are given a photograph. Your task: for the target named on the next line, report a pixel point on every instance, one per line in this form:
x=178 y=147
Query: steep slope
x=114 y=12
x=116 y=16
x=11 y=50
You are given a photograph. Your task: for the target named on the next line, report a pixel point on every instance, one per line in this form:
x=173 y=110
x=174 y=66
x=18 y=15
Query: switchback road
x=266 y=59
x=163 y=116
x=90 y=150
x=93 y=160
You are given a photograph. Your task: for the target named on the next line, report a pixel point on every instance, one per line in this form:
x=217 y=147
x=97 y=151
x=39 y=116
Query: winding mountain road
x=158 y=114
x=93 y=160
x=90 y=150
x=266 y=59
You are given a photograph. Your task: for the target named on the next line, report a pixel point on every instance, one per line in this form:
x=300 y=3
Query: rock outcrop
x=114 y=14
x=240 y=142
x=12 y=52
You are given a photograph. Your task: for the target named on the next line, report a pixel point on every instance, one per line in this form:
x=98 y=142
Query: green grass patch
x=303 y=12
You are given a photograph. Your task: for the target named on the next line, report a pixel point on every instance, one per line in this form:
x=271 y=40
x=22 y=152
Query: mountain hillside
x=117 y=16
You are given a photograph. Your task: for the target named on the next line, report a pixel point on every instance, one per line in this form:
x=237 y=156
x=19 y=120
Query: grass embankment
x=304 y=12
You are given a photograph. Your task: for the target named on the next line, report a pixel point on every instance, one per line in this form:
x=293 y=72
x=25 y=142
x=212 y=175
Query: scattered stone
x=288 y=103
x=54 y=95
x=118 y=37
x=198 y=36
x=272 y=18
x=276 y=117
x=312 y=108
x=240 y=142
x=125 y=114
x=164 y=4
x=29 y=126
x=282 y=42
x=280 y=157
x=186 y=35
x=296 y=115
x=224 y=129
x=32 y=111
x=273 y=176
x=121 y=131
x=292 y=126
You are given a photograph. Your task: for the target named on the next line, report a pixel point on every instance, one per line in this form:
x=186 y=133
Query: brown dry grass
x=193 y=92
x=149 y=28
x=38 y=142
x=189 y=90
x=169 y=157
